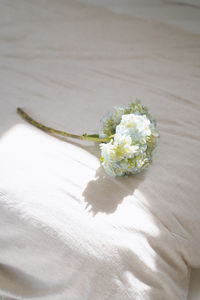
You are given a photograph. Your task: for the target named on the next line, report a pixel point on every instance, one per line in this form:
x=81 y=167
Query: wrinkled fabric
x=68 y=231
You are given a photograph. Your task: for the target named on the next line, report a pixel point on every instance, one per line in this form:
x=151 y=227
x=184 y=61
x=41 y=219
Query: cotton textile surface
x=68 y=231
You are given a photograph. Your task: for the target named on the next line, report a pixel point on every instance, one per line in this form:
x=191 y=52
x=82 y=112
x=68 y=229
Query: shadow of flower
x=104 y=193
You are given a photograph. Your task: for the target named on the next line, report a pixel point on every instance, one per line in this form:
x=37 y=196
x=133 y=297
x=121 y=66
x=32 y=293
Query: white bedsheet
x=68 y=231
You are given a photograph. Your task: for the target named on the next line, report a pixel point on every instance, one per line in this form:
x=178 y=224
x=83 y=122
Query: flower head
x=133 y=139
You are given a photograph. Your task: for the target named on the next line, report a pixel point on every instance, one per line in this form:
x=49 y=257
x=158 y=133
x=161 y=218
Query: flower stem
x=92 y=137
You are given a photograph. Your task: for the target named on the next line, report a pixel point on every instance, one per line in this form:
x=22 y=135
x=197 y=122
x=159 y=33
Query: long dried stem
x=91 y=137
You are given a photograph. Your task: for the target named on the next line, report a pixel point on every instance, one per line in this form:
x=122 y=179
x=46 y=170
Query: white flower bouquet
x=127 y=138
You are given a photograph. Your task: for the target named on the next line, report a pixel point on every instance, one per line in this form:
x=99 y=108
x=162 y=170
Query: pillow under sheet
x=67 y=230
x=71 y=232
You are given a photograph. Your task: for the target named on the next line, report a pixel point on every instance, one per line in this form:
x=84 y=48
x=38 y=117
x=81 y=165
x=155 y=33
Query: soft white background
x=36 y=72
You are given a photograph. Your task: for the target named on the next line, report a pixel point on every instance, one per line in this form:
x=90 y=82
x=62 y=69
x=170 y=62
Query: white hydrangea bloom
x=130 y=148
x=135 y=126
